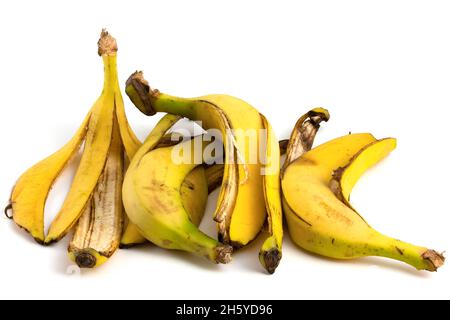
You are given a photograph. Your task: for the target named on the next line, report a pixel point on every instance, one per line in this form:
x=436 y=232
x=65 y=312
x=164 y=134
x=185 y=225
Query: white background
x=378 y=66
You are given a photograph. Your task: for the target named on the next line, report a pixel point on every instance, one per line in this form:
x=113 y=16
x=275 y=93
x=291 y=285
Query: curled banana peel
x=250 y=189
x=131 y=235
x=154 y=204
x=240 y=212
x=316 y=189
x=194 y=189
x=250 y=193
x=106 y=134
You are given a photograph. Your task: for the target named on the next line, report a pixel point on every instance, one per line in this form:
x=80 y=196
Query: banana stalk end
x=223 y=254
x=139 y=91
x=434 y=259
x=303 y=135
x=107 y=45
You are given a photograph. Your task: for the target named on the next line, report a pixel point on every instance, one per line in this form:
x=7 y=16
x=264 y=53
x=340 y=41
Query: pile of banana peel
x=126 y=193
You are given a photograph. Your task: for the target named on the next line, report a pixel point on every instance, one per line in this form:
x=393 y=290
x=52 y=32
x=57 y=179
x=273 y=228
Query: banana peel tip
x=107 y=45
x=270 y=259
x=139 y=92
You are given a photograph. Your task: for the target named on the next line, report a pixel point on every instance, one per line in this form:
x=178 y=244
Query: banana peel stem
x=223 y=254
x=419 y=257
x=107 y=45
x=88 y=258
x=303 y=135
x=139 y=91
x=435 y=260
x=85 y=260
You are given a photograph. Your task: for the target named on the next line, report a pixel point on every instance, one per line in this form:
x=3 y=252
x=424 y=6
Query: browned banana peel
x=99 y=229
x=301 y=141
x=303 y=134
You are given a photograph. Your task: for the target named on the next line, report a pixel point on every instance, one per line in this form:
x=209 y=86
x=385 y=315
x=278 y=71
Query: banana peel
x=242 y=207
x=316 y=190
x=154 y=203
x=302 y=138
x=194 y=190
x=106 y=134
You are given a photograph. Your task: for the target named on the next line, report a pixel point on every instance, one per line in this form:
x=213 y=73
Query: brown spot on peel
x=335 y=185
